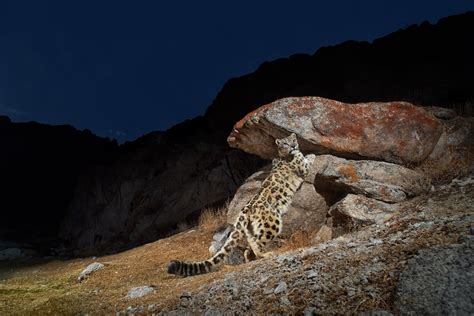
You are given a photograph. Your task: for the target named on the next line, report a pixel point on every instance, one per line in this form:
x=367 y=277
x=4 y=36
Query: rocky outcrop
x=360 y=191
x=376 y=179
x=307 y=211
x=394 y=131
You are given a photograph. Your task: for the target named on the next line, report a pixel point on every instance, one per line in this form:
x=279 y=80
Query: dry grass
x=212 y=219
x=453 y=164
x=51 y=287
x=182 y=226
x=299 y=239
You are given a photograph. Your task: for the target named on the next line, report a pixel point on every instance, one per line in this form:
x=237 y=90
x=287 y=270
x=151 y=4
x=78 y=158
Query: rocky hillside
x=166 y=178
x=417 y=259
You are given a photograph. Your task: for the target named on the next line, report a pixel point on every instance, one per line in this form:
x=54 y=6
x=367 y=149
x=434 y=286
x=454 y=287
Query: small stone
x=247 y=303
x=466 y=238
x=350 y=291
x=90 y=268
x=140 y=291
x=285 y=301
x=324 y=234
x=376 y=313
x=11 y=253
x=362 y=280
x=282 y=287
x=185 y=299
x=267 y=291
x=312 y=274
x=310 y=311
x=423 y=225
x=232 y=287
x=442 y=113
x=374 y=241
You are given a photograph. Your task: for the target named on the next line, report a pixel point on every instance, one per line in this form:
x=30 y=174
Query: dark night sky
x=125 y=68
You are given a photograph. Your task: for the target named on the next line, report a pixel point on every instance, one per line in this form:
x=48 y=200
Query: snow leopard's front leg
x=301 y=163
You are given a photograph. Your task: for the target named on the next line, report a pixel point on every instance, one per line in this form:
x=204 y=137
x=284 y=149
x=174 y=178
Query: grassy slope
x=52 y=287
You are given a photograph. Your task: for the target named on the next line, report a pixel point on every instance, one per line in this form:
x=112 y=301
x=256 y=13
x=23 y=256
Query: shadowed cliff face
x=158 y=182
x=39 y=165
x=163 y=178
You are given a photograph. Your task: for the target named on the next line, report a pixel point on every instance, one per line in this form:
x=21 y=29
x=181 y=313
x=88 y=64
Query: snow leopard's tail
x=194 y=268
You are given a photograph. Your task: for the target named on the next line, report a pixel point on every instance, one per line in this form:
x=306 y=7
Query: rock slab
x=358 y=209
x=438 y=281
x=392 y=131
x=376 y=179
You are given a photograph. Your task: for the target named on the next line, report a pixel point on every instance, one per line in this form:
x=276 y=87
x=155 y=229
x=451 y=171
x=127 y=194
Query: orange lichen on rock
x=348 y=171
x=302 y=107
x=408 y=111
x=340 y=120
x=392 y=131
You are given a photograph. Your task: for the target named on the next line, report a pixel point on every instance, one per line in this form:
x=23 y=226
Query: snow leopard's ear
x=293 y=136
x=278 y=142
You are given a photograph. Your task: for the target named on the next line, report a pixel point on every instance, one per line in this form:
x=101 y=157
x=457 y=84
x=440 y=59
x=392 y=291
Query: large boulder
x=307 y=211
x=393 y=131
x=377 y=179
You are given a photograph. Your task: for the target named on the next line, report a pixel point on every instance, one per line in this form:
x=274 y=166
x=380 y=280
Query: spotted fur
x=260 y=221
